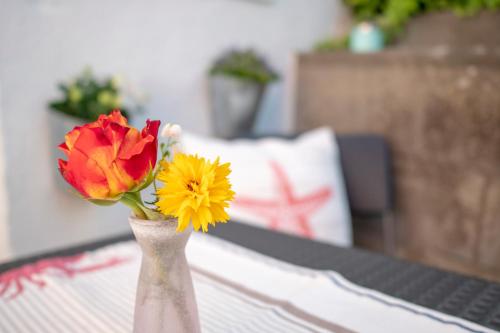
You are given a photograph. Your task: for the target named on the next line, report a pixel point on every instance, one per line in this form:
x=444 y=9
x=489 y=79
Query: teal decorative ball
x=366 y=37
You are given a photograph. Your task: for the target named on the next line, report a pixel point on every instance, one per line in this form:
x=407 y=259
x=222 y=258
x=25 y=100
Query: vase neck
x=159 y=238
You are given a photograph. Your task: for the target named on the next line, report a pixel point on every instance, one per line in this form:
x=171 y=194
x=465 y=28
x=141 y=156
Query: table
x=469 y=298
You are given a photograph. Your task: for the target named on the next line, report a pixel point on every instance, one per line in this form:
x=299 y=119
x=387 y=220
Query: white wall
x=4 y=232
x=164 y=46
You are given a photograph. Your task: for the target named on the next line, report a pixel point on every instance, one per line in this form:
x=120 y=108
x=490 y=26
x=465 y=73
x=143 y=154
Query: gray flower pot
x=234 y=104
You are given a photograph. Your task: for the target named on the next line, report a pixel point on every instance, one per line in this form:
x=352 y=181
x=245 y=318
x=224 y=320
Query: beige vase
x=165 y=299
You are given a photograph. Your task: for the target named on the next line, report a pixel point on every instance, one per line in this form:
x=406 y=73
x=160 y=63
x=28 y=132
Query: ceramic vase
x=165 y=299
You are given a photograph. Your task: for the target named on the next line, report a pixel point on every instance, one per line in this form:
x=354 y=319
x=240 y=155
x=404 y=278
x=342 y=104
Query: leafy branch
x=393 y=15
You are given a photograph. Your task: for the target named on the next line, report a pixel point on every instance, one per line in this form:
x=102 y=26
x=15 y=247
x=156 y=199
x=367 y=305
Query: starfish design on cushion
x=288 y=211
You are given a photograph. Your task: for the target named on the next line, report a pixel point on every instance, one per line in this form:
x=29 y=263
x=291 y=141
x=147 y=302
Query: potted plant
x=85 y=98
x=238 y=80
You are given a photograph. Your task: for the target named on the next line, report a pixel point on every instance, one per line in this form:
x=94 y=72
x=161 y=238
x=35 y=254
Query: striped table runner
x=237 y=290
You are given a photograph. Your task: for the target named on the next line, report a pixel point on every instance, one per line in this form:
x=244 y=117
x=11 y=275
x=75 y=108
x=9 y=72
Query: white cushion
x=294 y=186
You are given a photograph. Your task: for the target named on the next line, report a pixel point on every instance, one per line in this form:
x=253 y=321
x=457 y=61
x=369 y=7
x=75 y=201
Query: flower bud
x=172 y=131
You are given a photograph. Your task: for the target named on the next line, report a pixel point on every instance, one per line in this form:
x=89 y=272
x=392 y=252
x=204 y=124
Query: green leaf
x=244 y=65
x=100 y=202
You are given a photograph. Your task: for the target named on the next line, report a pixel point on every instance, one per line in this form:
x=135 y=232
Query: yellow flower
x=195 y=190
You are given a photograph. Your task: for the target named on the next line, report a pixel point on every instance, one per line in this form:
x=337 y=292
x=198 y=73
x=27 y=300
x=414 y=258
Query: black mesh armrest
x=367 y=171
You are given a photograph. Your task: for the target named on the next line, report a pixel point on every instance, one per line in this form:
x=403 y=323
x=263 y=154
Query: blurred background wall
x=4 y=239
x=163 y=47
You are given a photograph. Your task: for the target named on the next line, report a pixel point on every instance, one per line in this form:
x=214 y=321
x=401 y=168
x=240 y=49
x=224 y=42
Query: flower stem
x=134 y=201
x=134 y=205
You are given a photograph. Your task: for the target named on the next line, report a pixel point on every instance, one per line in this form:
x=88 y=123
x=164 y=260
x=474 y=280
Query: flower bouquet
x=109 y=161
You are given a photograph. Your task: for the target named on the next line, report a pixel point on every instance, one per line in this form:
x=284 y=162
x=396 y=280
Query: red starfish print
x=64 y=265
x=288 y=210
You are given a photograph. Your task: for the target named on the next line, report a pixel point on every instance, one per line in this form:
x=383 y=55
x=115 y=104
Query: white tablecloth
x=237 y=290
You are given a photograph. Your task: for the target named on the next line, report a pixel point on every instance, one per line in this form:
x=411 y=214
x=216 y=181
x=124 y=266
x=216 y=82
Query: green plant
x=86 y=97
x=244 y=65
x=393 y=15
x=331 y=44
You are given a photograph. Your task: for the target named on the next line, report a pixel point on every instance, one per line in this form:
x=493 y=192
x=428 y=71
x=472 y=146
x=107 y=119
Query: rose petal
x=108 y=157
x=117 y=117
x=72 y=136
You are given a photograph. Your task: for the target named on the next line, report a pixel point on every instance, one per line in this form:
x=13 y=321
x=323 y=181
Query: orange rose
x=107 y=158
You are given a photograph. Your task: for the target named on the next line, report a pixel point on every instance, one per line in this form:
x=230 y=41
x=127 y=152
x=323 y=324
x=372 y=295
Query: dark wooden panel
x=441 y=116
